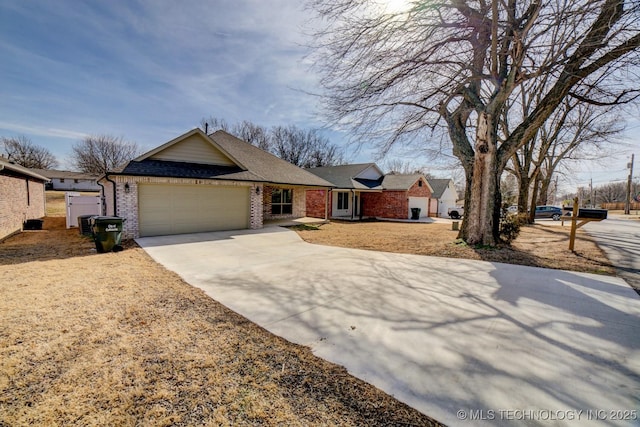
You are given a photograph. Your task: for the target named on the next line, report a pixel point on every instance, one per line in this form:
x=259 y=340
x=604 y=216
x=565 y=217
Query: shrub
x=510 y=226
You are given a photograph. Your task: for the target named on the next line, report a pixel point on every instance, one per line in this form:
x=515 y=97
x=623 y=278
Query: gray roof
x=438 y=185
x=51 y=174
x=254 y=165
x=343 y=176
x=12 y=167
x=400 y=181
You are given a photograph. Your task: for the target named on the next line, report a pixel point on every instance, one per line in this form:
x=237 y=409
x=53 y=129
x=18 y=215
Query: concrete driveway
x=466 y=342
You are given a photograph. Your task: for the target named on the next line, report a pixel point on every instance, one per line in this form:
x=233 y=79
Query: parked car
x=456 y=213
x=552 y=212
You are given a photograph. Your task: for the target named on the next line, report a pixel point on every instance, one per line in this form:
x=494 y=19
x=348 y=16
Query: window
x=281 y=201
x=75 y=181
x=61 y=179
x=343 y=201
x=420 y=183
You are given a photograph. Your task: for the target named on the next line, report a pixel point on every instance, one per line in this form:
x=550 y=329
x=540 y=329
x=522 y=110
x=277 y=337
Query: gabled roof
x=438 y=185
x=402 y=181
x=239 y=161
x=267 y=166
x=347 y=176
x=9 y=166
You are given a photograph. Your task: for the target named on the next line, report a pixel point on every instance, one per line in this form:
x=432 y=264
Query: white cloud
x=43 y=131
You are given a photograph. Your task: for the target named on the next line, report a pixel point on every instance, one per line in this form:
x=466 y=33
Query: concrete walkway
x=466 y=342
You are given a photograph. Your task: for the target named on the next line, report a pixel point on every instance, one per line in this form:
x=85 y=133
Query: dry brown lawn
x=537 y=245
x=116 y=339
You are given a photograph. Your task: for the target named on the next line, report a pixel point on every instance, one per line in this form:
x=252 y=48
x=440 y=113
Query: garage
x=177 y=209
x=419 y=202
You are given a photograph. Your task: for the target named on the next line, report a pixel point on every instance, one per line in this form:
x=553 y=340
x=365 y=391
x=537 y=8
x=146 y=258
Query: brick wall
x=299 y=207
x=388 y=204
x=256 y=217
x=420 y=191
x=315 y=203
x=15 y=206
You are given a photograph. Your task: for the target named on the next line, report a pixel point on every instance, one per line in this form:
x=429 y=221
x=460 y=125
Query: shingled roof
x=9 y=166
x=438 y=185
x=400 y=181
x=343 y=176
x=251 y=164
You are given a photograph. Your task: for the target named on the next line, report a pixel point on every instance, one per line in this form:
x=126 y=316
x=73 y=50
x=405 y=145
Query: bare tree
x=399 y=167
x=460 y=65
x=575 y=131
x=304 y=148
x=253 y=134
x=23 y=152
x=213 y=124
x=611 y=193
x=102 y=153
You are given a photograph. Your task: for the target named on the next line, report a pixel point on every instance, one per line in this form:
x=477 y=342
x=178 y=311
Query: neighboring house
x=69 y=181
x=198 y=182
x=362 y=190
x=22 y=197
x=444 y=196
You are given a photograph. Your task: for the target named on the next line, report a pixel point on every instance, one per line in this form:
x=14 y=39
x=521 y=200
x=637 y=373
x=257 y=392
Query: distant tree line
x=95 y=154
x=304 y=148
x=98 y=154
x=21 y=151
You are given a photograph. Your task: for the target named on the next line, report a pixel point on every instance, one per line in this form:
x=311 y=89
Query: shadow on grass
x=554 y=245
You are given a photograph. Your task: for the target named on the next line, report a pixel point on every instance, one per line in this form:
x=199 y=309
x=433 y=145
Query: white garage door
x=178 y=209
x=419 y=202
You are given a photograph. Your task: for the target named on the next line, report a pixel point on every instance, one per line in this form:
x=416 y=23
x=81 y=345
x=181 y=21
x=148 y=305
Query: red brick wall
x=417 y=191
x=315 y=203
x=388 y=204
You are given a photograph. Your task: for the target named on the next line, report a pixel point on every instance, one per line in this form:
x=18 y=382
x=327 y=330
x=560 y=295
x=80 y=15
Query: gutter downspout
x=103 y=205
x=115 y=210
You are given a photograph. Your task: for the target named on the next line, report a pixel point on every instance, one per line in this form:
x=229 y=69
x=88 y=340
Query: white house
x=444 y=196
x=69 y=180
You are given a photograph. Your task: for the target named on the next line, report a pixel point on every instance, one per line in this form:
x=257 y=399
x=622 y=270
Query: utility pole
x=627 y=204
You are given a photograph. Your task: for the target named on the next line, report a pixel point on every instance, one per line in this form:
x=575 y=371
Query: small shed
x=22 y=197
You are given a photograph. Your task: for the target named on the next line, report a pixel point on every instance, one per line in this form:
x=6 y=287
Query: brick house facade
x=22 y=197
x=298 y=203
x=198 y=183
x=384 y=202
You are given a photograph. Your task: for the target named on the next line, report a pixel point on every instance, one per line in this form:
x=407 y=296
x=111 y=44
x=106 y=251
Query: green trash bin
x=107 y=233
x=415 y=213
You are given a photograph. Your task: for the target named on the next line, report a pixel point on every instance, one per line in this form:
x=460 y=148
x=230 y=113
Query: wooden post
x=574 y=219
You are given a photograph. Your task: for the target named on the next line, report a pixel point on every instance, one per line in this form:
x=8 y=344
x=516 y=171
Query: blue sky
x=150 y=70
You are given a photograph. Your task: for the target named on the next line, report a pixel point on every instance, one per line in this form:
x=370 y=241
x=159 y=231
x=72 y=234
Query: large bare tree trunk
x=481 y=227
